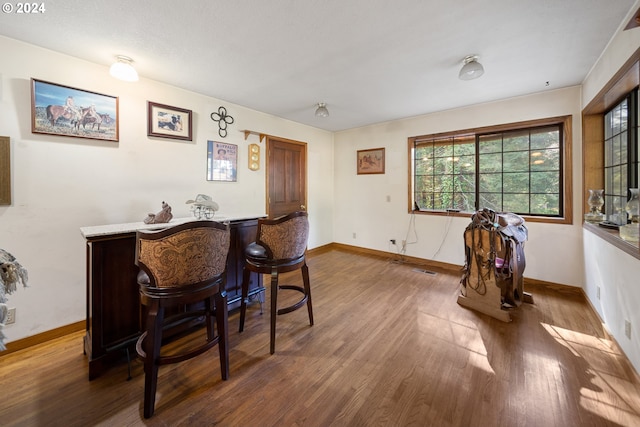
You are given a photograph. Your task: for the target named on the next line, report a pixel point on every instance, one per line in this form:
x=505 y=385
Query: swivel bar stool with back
x=182 y=266
x=280 y=247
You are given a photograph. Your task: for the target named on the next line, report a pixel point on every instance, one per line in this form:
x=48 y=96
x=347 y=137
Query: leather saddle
x=512 y=225
x=511 y=230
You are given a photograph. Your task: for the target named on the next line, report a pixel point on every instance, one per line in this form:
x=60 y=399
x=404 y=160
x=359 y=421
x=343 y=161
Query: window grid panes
x=444 y=173
x=516 y=171
x=620 y=156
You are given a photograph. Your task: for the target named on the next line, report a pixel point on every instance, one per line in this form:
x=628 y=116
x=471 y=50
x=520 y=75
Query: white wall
x=616 y=274
x=607 y=267
x=361 y=200
x=60 y=184
x=620 y=48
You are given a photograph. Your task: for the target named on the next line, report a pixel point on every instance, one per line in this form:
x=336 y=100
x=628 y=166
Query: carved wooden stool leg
x=307 y=291
x=209 y=307
x=153 y=341
x=245 y=295
x=223 y=332
x=274 y=308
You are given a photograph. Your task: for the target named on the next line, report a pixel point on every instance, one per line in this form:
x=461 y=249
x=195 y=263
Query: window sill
x=613 y=237
x=527 y=218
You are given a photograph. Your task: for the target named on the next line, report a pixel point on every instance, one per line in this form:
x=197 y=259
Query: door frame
x=269 y=139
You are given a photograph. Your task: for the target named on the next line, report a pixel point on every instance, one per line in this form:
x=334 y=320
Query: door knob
x=303 y=207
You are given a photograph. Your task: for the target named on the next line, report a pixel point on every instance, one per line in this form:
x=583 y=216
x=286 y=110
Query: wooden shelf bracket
x=251 y=132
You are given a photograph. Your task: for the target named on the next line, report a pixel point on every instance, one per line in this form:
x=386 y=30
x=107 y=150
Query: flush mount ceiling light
x=322 y=111
x=123 y=70
x=471 y=69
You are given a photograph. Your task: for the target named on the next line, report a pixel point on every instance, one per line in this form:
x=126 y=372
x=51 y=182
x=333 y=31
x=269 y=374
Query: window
x=624 y=82
x=444 y=173
x=620 y=156
x=511 y=168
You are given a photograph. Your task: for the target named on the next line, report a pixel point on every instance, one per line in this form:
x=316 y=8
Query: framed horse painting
x=370 y=161
x=67 y=111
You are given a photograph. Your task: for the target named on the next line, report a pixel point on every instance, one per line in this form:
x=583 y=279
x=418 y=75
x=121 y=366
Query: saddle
x=494 y=254
x=161 y=217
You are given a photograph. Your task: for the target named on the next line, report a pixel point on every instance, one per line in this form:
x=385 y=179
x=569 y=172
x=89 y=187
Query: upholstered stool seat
x=280 y=247
x=182 y=266
x=256 y=253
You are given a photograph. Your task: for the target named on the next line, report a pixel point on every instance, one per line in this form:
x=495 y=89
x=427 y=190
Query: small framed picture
x=67 y=111
x=169 y=122
x=370 y=161
x=222 y=161
x=5 y=171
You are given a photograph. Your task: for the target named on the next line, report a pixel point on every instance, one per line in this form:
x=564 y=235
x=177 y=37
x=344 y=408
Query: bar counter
x=114 y=315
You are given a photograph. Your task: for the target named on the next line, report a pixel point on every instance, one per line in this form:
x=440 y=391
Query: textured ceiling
x=369 y=60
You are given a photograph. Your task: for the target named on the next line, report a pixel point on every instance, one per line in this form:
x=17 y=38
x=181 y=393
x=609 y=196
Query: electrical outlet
x=627 y=329
x=354 y=235
x=393 y=241
x=11 y=316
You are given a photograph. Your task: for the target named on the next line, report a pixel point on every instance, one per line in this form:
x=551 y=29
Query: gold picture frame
x=370 y=161
x=5 y=171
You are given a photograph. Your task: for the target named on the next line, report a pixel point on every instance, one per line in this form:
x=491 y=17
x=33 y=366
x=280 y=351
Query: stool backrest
x=284 y=238
x=183 y=255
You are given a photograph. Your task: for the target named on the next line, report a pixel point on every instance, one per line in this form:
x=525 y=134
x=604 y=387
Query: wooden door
x=286 y=176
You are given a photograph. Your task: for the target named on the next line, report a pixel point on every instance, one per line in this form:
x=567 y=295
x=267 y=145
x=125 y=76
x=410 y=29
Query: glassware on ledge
x=630 y=232
x=595 y=200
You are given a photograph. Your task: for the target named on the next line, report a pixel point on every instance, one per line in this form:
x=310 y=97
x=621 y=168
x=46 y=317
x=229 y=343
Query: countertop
x=109 y=229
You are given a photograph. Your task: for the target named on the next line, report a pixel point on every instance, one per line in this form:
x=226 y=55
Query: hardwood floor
x=390 y=347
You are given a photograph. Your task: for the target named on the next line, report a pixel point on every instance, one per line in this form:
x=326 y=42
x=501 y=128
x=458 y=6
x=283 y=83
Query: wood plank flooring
x=390 y=347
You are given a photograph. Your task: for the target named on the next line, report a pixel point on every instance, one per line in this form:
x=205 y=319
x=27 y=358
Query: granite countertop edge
x=109 y=229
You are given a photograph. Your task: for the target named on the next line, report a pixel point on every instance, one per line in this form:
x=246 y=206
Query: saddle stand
x=492 y=282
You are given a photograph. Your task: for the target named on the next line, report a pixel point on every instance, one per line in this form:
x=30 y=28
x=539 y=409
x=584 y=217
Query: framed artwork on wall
x=169 y=122
x=67 y=111
x=222 y=161
x=370 y=161
x=5 y=171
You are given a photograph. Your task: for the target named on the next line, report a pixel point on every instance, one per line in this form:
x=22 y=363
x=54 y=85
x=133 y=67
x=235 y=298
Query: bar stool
x=280 y=247
x=182 y=265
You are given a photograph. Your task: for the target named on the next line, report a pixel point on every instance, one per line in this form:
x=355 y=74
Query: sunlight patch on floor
x=465 y=337
x=607 y=394
x=607 y=405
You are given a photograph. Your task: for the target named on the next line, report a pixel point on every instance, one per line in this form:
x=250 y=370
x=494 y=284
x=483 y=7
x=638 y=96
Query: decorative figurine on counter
x=203 y=206
x=161 y=217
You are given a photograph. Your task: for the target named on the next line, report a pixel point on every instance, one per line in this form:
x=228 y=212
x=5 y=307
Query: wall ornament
x=223 y=120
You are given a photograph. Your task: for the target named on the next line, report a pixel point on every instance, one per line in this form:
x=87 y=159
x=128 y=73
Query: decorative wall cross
x=223 y=120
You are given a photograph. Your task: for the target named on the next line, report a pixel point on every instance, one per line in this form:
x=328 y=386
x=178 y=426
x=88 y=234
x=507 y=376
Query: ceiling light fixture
x=322 y=111
x=471 y=69
x=123 y=70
